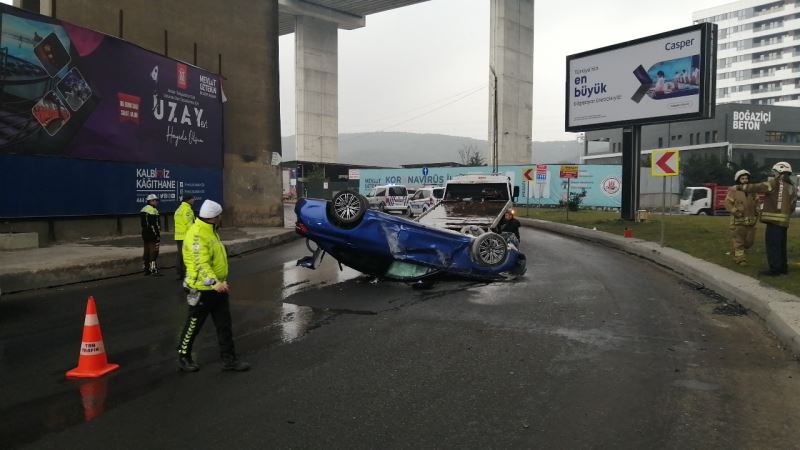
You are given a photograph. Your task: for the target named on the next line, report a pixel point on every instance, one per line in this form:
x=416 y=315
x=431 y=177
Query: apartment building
x=758 y=51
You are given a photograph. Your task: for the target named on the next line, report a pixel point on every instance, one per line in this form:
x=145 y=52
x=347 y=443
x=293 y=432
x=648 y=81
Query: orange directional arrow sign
x=664 y=163
x=527 y=174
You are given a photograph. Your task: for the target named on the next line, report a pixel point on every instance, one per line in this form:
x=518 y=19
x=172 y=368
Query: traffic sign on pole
x=570 y=171
x=541 y=173
x=664 y=163
x=527 y=174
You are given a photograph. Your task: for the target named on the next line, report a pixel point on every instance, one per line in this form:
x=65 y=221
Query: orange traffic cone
x=92 y=362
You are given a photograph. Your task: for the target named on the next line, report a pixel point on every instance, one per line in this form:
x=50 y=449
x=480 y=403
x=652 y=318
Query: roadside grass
x=703 y=237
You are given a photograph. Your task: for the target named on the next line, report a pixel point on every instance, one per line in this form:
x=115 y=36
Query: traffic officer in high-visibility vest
x=744 y=217
x=184 y=218
x=779 y=204
x=151 y=235
x=207 y=281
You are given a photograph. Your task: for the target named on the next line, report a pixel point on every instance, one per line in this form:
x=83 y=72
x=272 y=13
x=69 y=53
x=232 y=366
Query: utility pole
x=495 y=155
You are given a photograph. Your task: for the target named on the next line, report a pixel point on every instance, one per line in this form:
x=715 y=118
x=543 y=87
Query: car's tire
x=702 y=212
x=347 y=208
x=489 y=249
x=382 y=208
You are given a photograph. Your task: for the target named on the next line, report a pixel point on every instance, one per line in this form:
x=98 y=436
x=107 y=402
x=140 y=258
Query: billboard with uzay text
x=70 y=96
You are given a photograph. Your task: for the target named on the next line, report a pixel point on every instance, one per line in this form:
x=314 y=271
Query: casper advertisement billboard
x=661 y=78
x=72 y=97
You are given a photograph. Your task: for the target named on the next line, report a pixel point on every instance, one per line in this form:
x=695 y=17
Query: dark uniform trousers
x=150 y=255
x=216 y=304
x=180 y=267
x=775 y=240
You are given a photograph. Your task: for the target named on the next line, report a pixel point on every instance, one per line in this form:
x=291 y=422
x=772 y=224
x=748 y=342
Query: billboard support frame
x=631 y=154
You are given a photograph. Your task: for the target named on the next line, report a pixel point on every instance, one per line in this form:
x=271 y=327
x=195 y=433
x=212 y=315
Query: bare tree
x=470 y=156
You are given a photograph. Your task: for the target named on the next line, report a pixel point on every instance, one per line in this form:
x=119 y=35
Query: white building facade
x=758 y=51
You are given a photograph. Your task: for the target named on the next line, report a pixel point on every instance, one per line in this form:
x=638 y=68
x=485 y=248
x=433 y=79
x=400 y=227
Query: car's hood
x=455 y=215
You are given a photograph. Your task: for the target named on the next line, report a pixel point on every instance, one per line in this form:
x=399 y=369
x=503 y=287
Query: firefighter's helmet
x=739 y=174
x=782 y=167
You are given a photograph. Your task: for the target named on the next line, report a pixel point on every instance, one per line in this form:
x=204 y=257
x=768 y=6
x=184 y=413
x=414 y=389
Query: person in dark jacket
x=151 y=235
x=779 y=204
x=508 y=224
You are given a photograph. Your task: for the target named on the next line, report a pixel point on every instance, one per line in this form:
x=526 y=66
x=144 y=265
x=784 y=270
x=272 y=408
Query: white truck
x=472 y=201
x=705 y=200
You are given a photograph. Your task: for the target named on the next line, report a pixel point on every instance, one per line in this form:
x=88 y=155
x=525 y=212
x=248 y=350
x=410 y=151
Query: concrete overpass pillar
x=316 y=90
x=511 y=58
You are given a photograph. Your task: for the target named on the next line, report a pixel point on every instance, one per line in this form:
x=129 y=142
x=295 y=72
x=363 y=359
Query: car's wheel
x=489 y=249
x=347 y=208
x=702 y=212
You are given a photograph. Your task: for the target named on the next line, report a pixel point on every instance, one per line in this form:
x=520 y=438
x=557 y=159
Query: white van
x=424 y=199
x=389 y=198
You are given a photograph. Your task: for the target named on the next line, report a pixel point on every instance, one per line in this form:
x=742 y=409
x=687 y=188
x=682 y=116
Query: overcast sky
x=425 y=68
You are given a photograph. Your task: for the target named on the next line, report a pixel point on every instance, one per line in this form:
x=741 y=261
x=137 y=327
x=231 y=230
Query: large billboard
x=662 y=78
x=71 y=97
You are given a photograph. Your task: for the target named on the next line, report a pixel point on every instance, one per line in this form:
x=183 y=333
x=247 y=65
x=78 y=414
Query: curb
x=111 y=268
x=780 y=310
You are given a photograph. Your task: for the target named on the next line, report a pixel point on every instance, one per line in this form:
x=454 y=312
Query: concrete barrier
x=18 y=241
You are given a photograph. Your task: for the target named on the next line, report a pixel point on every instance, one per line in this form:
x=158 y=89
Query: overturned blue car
x=396 y=248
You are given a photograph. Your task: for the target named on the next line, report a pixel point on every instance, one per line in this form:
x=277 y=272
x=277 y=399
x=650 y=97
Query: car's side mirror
x=516 y=191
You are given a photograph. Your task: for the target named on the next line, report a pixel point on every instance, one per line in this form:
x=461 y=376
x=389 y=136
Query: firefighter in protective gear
x=744 y=217
x=184 y=218
x=151 y=235
x=207 y=282
x=779 y=204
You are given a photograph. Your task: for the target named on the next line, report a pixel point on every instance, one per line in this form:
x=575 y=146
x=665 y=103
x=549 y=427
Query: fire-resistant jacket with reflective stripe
x=151 y=229
x=742 y=207
x=184 y=218
x=779 y=202
x=204 y=256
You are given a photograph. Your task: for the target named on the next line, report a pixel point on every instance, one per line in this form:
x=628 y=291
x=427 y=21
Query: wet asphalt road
x=592 y=348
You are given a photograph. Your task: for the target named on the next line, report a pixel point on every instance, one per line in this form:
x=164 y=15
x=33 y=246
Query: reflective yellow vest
x=184 y=218
x=204 y=256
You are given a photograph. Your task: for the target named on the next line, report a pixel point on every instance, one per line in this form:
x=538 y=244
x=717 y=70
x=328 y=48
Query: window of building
x=708 y=136
x=691 y=139
x=714 y=137
x=660 y=142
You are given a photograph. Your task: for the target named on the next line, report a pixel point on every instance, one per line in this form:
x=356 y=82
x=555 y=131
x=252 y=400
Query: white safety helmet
x=782 y=167
x=739 y=174
x=151 y=197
